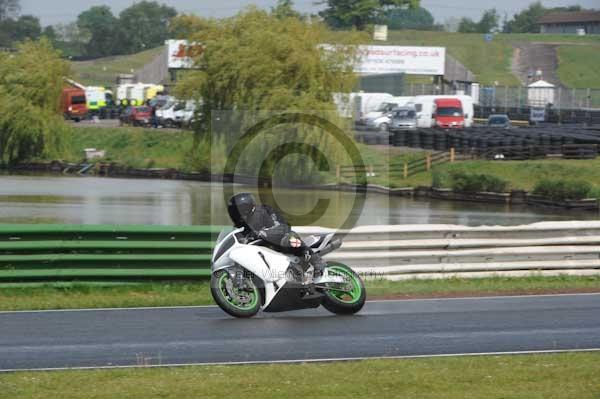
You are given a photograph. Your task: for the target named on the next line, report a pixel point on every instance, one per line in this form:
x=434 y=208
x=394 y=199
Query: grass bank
x=524 y=376
x=136 y=147
x=80 y=296
x=147 y=148
x=519 y=174
x=578 y=66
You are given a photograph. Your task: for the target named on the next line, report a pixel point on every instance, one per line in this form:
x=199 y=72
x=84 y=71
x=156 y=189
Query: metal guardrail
x=442 y=251
x=56 y=252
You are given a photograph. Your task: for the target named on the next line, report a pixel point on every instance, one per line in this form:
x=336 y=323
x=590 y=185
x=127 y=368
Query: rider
x=264 y=222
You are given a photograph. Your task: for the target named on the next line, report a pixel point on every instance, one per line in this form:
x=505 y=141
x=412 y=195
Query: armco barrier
x=441 y=251
x=54 y=252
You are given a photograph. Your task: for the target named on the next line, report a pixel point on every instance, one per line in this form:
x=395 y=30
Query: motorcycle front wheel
x=234 y=301
x=347 y=298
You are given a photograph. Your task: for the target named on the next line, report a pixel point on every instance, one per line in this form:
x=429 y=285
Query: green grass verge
x=81 y=296
x=524 y=376
x=103 y=71
x=136 y=147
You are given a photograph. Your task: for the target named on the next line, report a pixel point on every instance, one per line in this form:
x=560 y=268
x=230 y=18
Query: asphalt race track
x=192 y=335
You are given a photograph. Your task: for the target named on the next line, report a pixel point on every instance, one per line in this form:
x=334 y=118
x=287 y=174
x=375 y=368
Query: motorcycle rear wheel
x=354 y=296
x=229 y=304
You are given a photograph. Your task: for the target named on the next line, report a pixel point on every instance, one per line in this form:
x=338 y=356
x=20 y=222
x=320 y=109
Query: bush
x=560 y=190
x=475 y=182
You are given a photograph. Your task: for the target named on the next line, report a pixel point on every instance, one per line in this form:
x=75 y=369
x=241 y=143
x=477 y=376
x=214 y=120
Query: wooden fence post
x=428 y=162
x=405 y=169
x=452 y=154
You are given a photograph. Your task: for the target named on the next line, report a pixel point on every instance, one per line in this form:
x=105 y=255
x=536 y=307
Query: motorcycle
x=248 y=276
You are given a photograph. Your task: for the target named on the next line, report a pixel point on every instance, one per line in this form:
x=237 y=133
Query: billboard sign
x=181 y=54
x=401 y=59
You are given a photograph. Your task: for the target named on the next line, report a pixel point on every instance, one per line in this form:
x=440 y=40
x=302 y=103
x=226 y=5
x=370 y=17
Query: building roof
x=541 y=84
x=570 y=17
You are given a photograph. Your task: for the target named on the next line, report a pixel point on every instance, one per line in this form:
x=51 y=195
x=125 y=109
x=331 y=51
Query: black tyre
x=231 y=304
x=352 y=299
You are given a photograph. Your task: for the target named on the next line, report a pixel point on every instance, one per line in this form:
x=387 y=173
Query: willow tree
x=258 y=63
x=31 y=124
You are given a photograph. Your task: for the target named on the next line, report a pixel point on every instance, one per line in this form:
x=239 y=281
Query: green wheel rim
x=249 y=306
x=354 y=294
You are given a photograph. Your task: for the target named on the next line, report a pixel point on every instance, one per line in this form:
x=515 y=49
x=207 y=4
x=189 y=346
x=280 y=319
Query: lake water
x=88 y=200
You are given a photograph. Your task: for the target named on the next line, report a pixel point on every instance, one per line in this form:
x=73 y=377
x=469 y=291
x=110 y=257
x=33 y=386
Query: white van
x=357 y=105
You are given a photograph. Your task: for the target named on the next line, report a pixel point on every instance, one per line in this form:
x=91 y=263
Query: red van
x=449 y=113
x=74 y=104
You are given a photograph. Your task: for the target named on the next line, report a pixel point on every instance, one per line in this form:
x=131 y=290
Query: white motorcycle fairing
x=270 y=268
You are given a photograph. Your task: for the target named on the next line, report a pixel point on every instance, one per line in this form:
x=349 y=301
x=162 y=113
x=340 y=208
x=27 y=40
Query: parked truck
x=74 y=104
x=98 y=98
x=137 y=93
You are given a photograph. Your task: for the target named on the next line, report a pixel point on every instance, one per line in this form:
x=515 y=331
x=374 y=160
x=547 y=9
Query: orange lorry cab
x=74 y=104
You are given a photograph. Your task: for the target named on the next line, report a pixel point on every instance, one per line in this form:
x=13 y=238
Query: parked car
x=136 y=116
x=501 y=121
x=404 y=118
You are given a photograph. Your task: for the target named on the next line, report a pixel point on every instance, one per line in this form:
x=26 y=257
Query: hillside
x=578 y=57
x=491 y=62
x=103 y=71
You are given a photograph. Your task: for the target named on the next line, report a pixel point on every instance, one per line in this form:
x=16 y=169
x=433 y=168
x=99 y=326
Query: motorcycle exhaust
x=332 y=246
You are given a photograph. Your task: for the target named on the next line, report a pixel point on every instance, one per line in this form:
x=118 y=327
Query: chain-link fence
x=501 y=97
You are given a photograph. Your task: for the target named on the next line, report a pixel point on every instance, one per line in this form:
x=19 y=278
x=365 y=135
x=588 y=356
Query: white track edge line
x=300 y=361
x=373 y=301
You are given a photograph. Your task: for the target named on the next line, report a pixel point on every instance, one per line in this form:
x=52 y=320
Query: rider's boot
x=319 y=265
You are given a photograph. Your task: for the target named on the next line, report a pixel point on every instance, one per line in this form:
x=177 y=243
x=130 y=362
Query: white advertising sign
x=400 y=59
x=537 y=114
x=180 y=54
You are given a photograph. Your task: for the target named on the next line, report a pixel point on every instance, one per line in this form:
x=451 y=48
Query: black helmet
x=240 y=206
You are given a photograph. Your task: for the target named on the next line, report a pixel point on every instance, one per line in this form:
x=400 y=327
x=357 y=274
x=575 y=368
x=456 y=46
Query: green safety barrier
x=72 y=252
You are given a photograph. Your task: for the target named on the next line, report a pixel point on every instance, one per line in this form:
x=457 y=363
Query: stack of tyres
x=427 y=139
x=400 y=139
x=440 y=141
x=414 y=139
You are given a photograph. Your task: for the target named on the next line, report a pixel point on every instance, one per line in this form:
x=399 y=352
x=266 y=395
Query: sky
x=63 y=11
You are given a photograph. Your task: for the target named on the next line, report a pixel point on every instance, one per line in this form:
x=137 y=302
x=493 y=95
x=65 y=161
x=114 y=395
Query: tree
x=9 y=9
x=527 y=20
x=359 y=13
x=285 y=9
x=27 y=27
x=256 y=61
x=31 y=123
x=145 y=25
x=102 y=27
x=488 y=23
x=467 y=25
x=409 y=18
